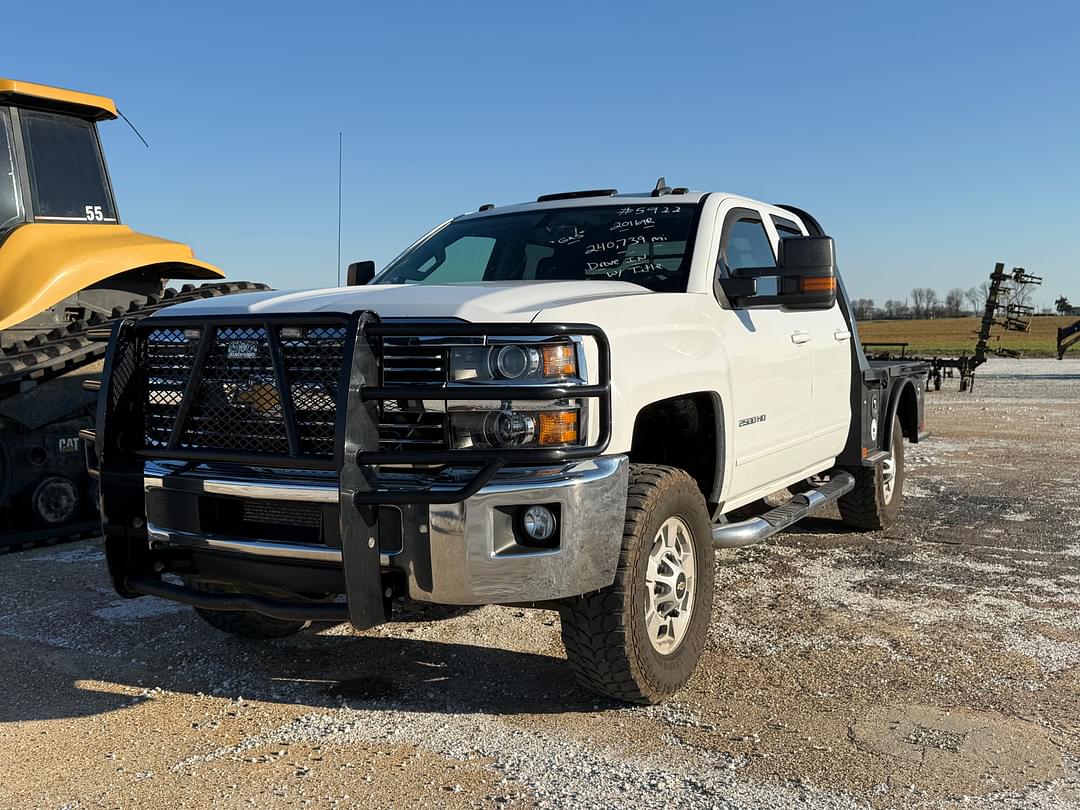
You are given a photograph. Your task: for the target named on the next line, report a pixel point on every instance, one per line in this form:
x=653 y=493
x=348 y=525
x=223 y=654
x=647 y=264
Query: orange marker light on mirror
x=817 y=284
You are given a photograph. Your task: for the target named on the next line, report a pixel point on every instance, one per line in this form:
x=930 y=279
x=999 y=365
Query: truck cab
x=567 y=403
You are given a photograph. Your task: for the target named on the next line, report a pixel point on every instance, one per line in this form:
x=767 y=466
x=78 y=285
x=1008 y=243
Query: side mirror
x=805 y=274
x=360 y=273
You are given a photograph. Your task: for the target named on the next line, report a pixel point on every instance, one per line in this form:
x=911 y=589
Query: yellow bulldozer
x=68 y=269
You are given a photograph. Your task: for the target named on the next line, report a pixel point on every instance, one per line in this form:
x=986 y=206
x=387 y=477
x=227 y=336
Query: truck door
x=768 y=348
x=830 y=380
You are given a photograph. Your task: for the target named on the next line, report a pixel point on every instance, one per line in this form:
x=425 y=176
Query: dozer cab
x=68 y=269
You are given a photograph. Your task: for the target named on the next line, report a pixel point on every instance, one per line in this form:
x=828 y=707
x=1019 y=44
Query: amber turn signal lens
x=818 y=284
x=558 y=427
x=560 y=360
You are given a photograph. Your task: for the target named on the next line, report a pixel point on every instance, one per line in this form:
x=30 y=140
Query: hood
x=519 y=301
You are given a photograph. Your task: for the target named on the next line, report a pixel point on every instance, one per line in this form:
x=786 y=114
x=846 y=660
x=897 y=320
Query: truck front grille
x=406 y=424
x=405 y=363
x=226 y=395
x=234 y=400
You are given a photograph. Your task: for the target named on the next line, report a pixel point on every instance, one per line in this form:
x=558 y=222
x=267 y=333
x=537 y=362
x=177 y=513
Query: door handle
x=841 y=335
x=799 y=338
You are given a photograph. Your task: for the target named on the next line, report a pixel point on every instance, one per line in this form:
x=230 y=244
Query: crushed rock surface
x=936 y=664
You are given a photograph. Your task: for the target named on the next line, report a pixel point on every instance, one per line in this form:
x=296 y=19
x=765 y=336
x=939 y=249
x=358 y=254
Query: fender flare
x=712 y=486
x=719 y=475
x=893 y=408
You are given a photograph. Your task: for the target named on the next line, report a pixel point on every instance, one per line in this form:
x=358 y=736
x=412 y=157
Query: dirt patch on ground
x=936 y=664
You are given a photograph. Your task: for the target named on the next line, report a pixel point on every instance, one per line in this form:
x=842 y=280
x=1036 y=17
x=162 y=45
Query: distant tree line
x=925 y=302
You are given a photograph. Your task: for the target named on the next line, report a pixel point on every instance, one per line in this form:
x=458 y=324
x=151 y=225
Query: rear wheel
x=640 y=639
x=874 y=503
x=245 y=623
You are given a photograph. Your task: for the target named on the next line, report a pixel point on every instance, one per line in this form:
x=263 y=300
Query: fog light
x=538 y=522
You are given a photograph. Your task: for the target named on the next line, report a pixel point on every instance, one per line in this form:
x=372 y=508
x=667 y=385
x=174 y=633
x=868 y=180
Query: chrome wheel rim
x=888 y=478
x=669 y=586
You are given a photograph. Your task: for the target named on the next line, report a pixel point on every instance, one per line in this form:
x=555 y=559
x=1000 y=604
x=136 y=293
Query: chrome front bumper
x=473 y=556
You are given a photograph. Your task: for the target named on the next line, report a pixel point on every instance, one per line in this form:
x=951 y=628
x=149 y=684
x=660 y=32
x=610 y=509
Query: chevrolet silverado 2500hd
x=566 y=403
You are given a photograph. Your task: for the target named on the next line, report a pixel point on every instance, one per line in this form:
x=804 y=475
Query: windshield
x=67 y=175
x=10 y=204
x=648 y=245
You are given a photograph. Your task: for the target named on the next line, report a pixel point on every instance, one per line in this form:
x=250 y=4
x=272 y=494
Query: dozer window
x=67 y=176
x=10 y=203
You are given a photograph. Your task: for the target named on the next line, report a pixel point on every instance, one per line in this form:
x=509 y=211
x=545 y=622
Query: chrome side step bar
x=748 y=532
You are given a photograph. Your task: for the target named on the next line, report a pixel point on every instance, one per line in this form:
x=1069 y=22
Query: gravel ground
x=936 y=664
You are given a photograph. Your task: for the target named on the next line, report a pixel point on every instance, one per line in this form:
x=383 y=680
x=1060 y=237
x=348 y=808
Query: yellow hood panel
x=42 y=264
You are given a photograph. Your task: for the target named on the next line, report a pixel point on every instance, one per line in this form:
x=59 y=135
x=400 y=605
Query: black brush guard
x=121 y=447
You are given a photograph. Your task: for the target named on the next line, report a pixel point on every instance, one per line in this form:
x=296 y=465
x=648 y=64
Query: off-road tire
x=604 y=633
x=245 y=623
x=866 y=507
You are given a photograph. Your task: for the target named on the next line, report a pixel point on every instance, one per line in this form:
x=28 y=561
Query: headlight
x=503 y=428
x=537 y=363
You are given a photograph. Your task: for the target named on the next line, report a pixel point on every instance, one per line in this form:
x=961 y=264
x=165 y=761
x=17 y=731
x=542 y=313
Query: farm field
x=953 y=336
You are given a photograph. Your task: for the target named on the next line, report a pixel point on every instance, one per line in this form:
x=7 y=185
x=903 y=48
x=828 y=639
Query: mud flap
x=359 y=523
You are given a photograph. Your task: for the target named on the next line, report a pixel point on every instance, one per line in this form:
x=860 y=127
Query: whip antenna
x=126 y=121
x=339 y=209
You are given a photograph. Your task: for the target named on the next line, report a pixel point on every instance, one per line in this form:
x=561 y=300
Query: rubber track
x=62 y=349
x=594 y=626
x=24 y=541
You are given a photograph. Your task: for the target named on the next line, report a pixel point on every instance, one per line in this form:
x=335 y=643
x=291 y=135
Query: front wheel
x=874 y=503
x=640 y=639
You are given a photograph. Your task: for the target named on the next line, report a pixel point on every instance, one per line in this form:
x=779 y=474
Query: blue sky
x=931 y=139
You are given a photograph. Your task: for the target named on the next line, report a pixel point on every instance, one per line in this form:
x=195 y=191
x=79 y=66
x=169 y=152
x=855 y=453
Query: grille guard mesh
x=255 y=395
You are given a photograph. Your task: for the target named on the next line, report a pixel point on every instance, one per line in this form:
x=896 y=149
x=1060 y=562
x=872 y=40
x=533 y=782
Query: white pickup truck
x=567 y=403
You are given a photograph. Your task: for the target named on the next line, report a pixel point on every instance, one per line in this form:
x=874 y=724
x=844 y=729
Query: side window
x=786 y=228
x=746 y=244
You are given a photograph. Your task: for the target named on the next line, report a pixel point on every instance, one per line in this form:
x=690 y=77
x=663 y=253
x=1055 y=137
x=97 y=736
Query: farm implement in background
x=1006 y=308
x=1067 y=336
